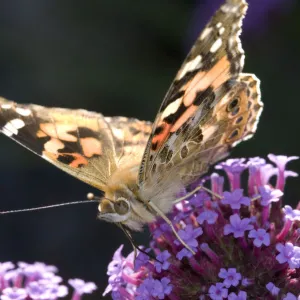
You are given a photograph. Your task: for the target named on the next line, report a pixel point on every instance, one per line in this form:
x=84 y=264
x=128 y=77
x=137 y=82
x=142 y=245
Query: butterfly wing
x=130 y=138
x=84 y=144
x=208 y=108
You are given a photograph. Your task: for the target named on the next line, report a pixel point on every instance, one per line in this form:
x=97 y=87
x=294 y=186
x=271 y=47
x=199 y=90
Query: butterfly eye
x=233 y=105
x=121 y=206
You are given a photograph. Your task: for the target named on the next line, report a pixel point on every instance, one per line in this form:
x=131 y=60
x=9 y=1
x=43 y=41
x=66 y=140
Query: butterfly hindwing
x=130 y=138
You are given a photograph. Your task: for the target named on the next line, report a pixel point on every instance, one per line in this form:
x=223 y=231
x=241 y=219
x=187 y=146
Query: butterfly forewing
x=77 y=141
x=193 y=129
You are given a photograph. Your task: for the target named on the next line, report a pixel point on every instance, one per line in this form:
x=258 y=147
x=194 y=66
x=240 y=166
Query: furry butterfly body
x=210 y=107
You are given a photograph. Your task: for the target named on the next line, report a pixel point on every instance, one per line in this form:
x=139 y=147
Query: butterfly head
x=115 y=211
x=122 y=204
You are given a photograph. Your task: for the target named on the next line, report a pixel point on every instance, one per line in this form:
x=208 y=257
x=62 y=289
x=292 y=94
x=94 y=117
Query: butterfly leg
x=198 y=188
x=168 y=221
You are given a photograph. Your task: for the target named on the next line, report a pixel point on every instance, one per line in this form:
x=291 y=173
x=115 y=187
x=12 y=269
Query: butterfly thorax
x=122 y=202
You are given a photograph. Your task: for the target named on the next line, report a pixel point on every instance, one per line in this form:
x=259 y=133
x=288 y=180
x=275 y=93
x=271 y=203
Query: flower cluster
x=247 y=246
x=37 y=281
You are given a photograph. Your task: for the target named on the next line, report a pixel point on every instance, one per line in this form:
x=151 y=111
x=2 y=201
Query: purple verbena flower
x=268 y=195
x=141 y=260
x=13 y=294
x=254 y=248
x=189 y=235
x=233 y=168
x=291 y=214
x=240 y=296
x=231 y=277
x=81 y=287
x=154 y=288
x=237 y=226
x=290 y=254
x=218 y=291
x=184 y=253
x=260 y=237
x=235 y=199
x=145 y=290
x=162 y=263
x=208 y=215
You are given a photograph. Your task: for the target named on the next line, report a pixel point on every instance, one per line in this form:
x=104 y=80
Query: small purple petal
x=184 y=253
x=272 y=289
x=240 y=296
x=163 y=264
x=290 y=296
x=209 y=216
x=141 y=260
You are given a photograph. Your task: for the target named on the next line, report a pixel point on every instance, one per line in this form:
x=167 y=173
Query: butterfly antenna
x=91 y=196
x=46 y=207
x=134 y=245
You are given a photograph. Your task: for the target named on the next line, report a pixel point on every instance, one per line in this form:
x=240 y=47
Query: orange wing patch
x=59 y=130
x=91 y=146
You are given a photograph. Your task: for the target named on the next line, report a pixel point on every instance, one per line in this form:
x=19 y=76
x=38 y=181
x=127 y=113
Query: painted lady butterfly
x=210 y=107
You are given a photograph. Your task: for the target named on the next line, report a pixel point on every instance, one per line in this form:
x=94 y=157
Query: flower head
x=245 y=244
x=37 y=281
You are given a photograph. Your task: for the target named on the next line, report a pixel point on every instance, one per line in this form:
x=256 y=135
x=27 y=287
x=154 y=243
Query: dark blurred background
x=118 y=58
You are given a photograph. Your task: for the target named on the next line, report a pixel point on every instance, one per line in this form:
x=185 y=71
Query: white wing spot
x=9 y=129
x=190 y=66
x=171 y=108
x=216 y=45
x=118 y=133
x=12 y=127
x=17 y=123
x=7 y=132
x=219 y=25
x=6 y=106
x=205 y=33
x=25 y=112
x=221 y=30
x=229 y=9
